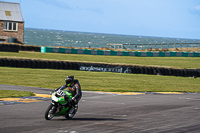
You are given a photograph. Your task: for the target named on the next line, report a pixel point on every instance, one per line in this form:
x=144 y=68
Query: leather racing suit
x=75 y=89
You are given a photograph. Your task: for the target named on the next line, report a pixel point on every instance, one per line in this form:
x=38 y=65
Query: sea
x=46 y=37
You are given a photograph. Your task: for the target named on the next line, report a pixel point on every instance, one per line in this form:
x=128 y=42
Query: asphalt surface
x=106 y=113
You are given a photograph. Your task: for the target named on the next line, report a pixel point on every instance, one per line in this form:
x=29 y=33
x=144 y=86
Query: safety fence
x=17 y=48
x=160 y=46
x=99 y=67
x=119 y=53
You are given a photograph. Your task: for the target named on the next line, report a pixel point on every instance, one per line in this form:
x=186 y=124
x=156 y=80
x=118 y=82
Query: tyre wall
x=45 y=64
x=119 y=53
x=9 y=48
x=16 y=48
x=30 y=48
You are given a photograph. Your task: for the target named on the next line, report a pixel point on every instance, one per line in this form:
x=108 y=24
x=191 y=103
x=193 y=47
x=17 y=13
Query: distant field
x=12 y=93
x=175 y=62
x=98 y=81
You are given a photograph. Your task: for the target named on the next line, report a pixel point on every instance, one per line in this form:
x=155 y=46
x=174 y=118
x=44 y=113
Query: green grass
x=102 y=81
x=98 y=81
x=12 y=93
x=175 y=62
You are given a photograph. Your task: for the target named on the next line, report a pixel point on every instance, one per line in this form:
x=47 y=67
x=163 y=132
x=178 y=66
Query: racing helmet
x=69 y=80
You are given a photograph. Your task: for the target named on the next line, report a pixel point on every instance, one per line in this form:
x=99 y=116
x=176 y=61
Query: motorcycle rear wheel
x=49 y=114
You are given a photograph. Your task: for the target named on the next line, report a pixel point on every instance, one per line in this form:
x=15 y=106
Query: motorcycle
x=60 y=106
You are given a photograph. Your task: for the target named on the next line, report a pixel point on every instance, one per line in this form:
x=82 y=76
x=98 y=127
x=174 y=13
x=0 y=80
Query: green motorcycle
x=60 y=106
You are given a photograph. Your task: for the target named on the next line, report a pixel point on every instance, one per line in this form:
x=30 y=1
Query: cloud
x=196 y=10
x=73 y=5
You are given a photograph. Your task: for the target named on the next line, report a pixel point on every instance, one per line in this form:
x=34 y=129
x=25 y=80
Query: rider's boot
x=73 y=107
x=71 y=110
x=76 y=106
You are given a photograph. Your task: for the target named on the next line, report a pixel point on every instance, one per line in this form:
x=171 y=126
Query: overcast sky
x=160 y=18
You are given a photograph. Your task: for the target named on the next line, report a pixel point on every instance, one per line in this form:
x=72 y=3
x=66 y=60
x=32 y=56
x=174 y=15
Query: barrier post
x=43 y=49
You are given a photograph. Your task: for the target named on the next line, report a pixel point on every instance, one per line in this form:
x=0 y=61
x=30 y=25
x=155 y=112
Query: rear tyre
x=49 y=114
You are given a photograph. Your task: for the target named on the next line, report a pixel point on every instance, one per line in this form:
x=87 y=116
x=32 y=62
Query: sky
x=158 y=18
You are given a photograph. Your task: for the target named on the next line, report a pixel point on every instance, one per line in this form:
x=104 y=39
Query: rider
x=74 y=88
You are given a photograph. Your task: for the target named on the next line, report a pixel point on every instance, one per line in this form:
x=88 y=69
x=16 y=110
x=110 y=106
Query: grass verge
x=98 y=81
x=174 y=62
x=12 y=93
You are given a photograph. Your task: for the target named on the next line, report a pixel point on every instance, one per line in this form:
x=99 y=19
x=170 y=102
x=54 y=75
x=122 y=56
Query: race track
x=106 y=113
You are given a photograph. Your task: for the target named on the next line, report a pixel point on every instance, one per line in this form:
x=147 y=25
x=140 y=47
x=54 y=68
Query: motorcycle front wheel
x=49 y=114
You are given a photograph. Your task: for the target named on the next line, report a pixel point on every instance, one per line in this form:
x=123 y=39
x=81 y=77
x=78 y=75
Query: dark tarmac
x=106 y=113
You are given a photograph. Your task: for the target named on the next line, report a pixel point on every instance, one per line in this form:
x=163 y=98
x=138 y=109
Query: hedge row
x=43 y=64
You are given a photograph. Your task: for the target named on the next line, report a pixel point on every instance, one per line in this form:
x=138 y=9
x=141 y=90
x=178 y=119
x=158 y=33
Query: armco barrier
x=119 y=53
x=46 y=64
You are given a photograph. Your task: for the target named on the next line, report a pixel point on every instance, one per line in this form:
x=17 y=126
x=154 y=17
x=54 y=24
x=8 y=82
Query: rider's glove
x=57 y=89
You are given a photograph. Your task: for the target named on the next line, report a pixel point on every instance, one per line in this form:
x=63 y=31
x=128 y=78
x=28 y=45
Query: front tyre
x=49 y=114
